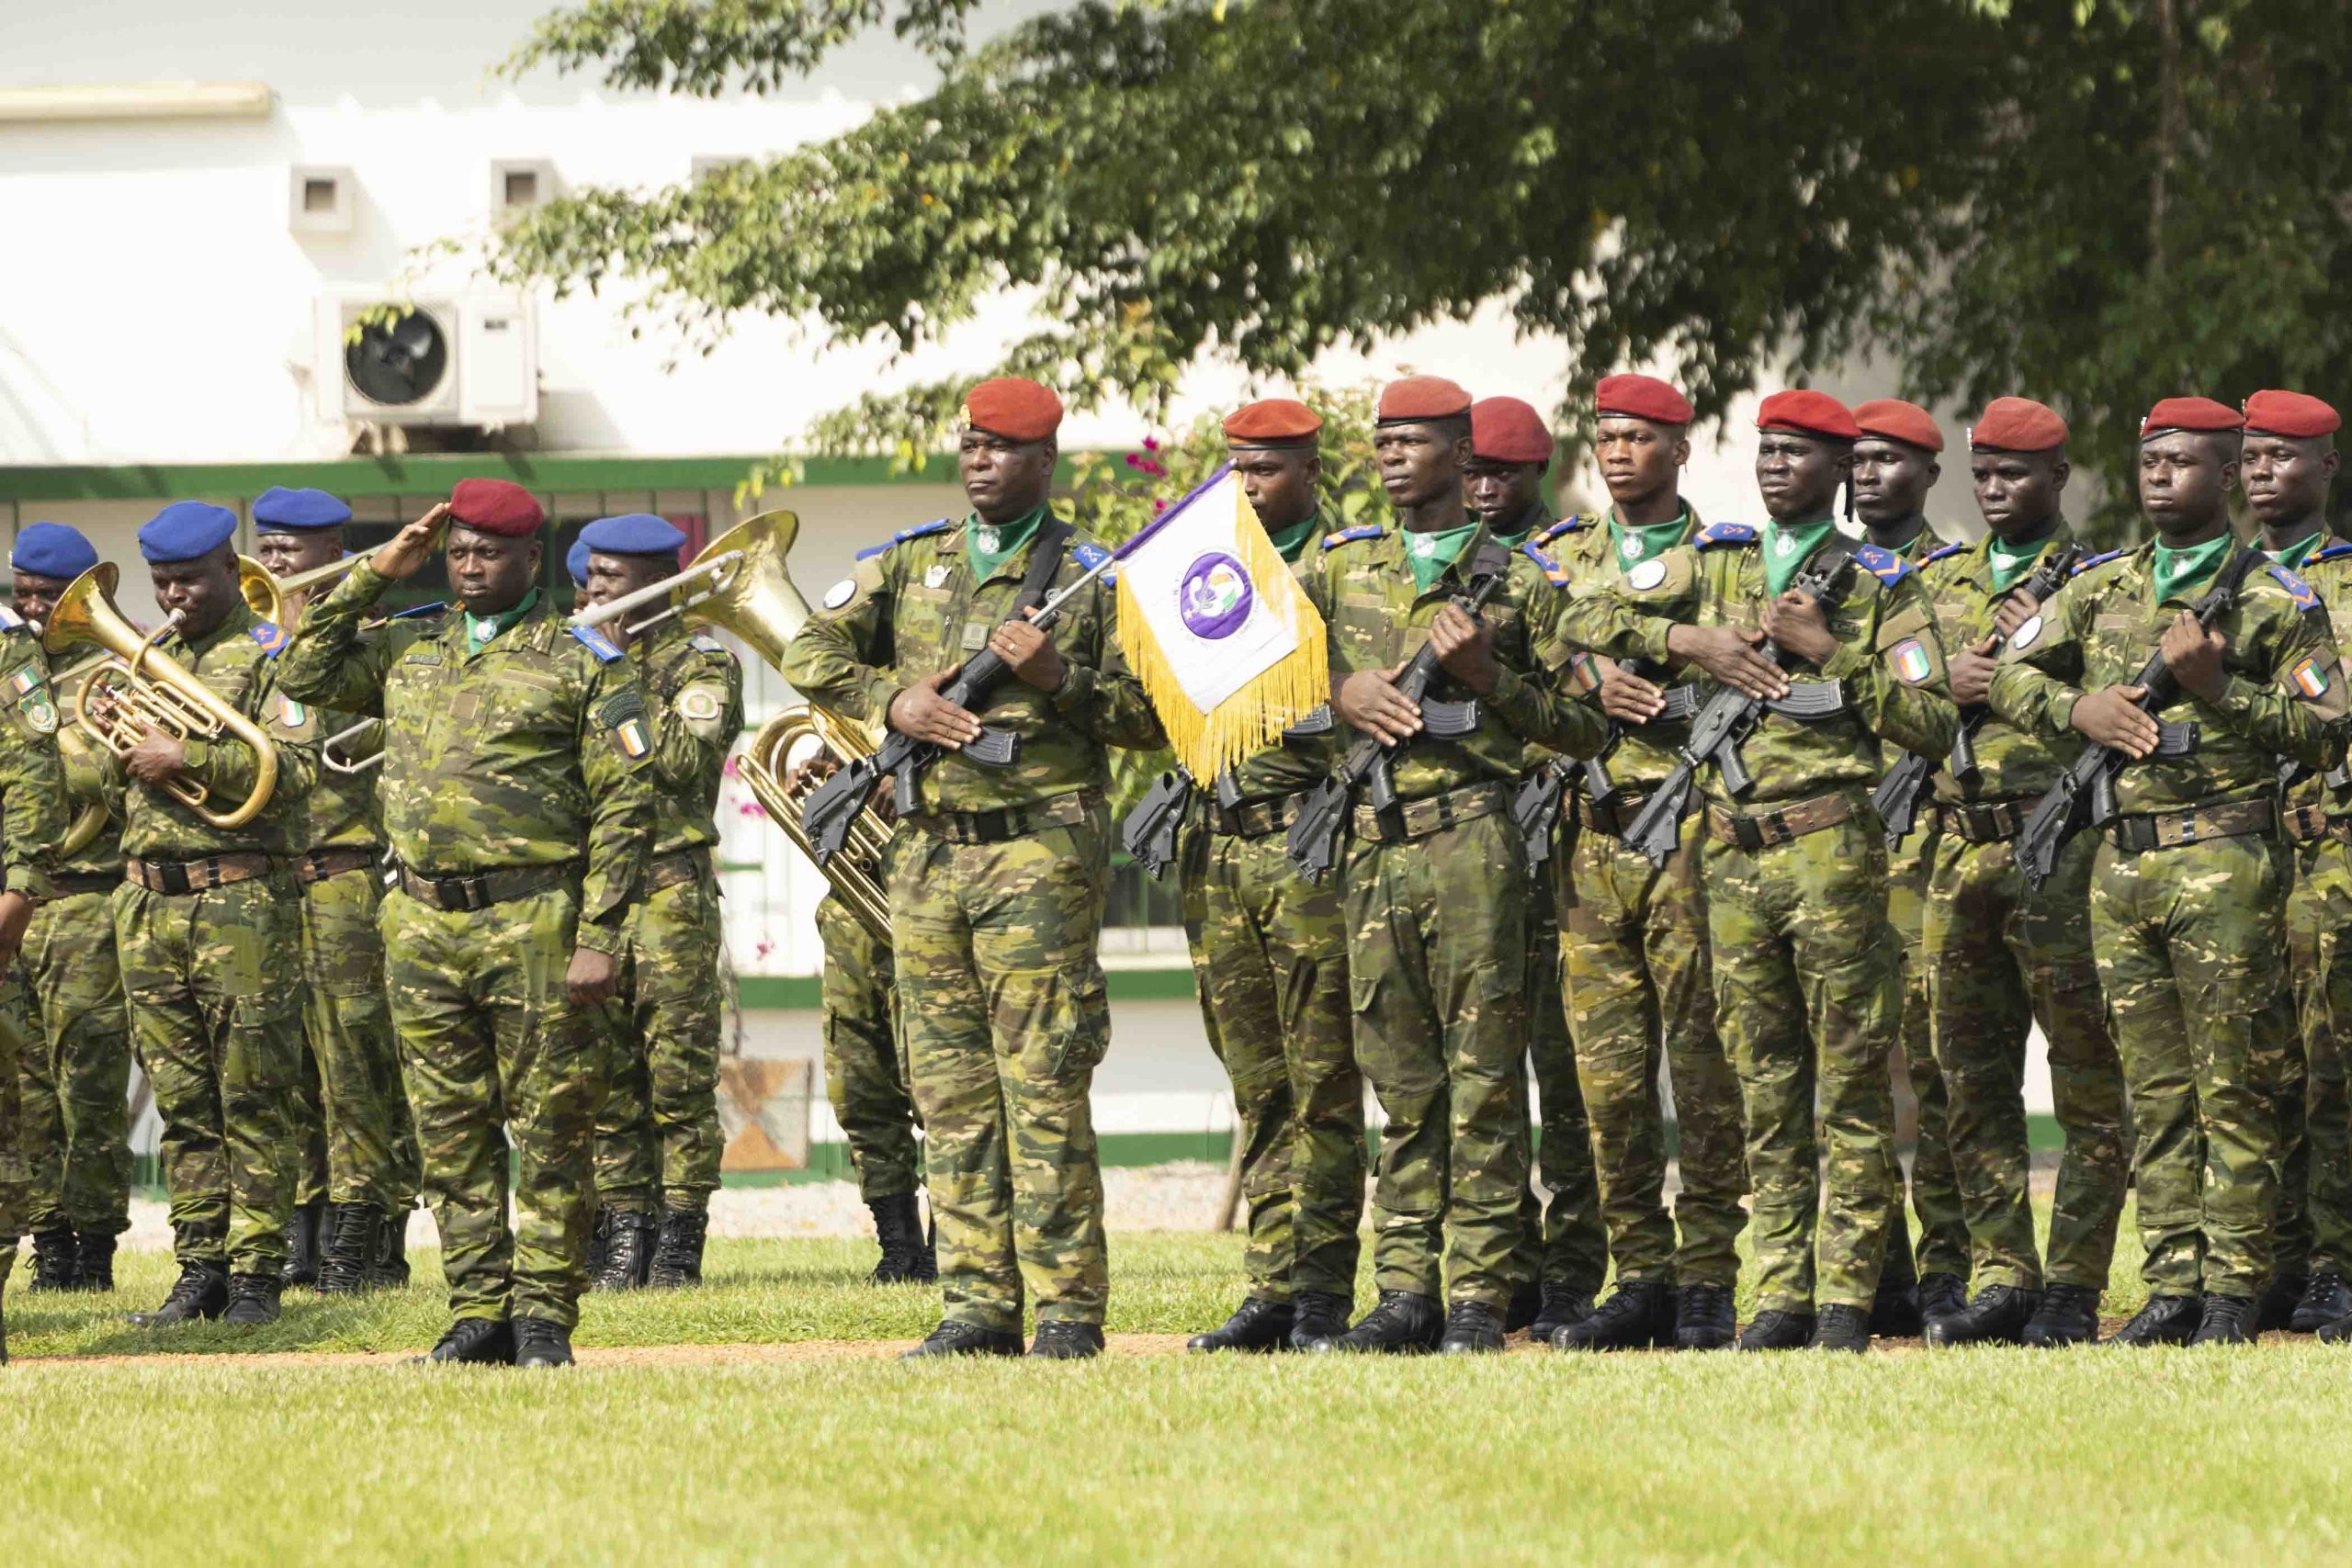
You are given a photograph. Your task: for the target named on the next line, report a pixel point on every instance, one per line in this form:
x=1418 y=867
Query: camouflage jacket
x=1287 y=767
x=1377 y=618
x=910 y=609
x=1889 y=665
x=32 y=777
x=2283 y=694
x=1580 y=547
x=694 y=703
x=533 y=752
x=88 y=784
x=2012 y=762
x=239 y=661
x=345 y=812
x=2329 y=573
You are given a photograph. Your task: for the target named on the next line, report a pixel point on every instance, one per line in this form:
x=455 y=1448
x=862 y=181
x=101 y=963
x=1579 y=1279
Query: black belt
x=67 y=882
x=319 y=865
x=676 y=868
x=1256 y=818
x=177 y=879
x=1010 y=822
x=1985 y=821
x=1432 y=814
x=479 y=890
x=1613 y=818
x=2142 y=831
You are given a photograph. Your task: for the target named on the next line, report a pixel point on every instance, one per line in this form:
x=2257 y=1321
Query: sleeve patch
x=2310 y=677
x=1552 y=572
x=1910 y=661
x=699 y=704
x=622 y=715
x=1360 y=531
x=1717 y=535
x=1885 y=565
x=1648 y=575
x=597 y=643
x=841 y=594
x=271 y=636
x=2296 y=588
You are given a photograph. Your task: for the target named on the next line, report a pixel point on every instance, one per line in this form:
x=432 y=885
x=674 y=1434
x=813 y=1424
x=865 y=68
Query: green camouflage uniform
x=1808 y=989
x=522 y=762
x=997 y=884
x=1637 y=996
x=2001 y=958
x=214 y=1015
x=1438 y=920
x=658 y=1141
x=32 y=823
x=1270 y=957
x=2190 y=940
x=865 y=1070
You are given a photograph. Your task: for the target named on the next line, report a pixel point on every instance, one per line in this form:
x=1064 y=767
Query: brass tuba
x=145 y=687
x=856 y=874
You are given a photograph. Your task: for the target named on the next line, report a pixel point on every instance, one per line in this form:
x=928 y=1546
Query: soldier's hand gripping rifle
x=1313 y=842
x=1539 y=798
x=2084 y=795
x=1896 y=800
x=1725 y=720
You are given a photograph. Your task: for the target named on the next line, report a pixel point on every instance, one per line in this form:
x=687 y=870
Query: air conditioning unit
x=470 y=359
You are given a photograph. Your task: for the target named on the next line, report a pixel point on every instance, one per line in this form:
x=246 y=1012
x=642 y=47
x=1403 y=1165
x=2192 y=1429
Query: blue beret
x=636 y=533
x=283 y=510
x=575 y=561
x=186 y=530
x=52 y=550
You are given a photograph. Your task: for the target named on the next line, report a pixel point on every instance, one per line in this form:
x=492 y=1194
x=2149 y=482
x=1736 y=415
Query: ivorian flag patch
x=2310 y=678
x=24 y=679
x=1586 y=673
x=1911 y=660
x=630 y=733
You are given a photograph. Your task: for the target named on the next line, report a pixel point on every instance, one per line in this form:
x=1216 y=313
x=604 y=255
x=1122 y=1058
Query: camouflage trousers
x=1002 y=997
x=76 y=1069
x=1437 y=976
x=865 y=1067
x=2192 y=958
x=1999 y=958
x=367 y=1133
x=15 y=1038
x=1638 y=994
x=1270 y=955
x=495 y=1054
x=2314 y=1228
x=658 y=1143
x=1562 y=1239
x=1808 y=995
x=1942 y=1246
x=218 y=1027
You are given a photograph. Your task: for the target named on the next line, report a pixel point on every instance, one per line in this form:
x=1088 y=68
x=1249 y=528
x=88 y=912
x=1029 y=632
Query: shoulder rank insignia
x=2336 y=552
x=1088 y=557
x=271 y=636
x=2296 y=588
x=1565 y=525
x=418 y=612
x=1360 y=531
x=705 y=643
x=1934 y=556
x=1552 y=572
x=1885 y=565
x=1716 y=535
x=2085 y=565
x=918 y=531
x=9 y=620
x=597 y=642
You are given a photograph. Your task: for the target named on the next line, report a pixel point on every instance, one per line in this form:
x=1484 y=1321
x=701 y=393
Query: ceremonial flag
x=1220 y=633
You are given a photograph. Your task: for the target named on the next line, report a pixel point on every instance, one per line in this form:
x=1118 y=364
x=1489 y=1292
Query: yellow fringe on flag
x=1255 y=716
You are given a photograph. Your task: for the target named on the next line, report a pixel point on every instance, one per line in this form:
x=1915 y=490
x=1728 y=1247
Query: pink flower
x=1150 y=443
x=753 y=809
x=729 y=768
x=763 y=950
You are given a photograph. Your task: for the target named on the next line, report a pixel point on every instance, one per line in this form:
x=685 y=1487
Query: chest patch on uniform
x=1645 y=576
x=25 y=679
x=935 y=575
x=841 y=594
x=2023 y=637
x=291 y=714
x=421 y=656
x=699 y=705
x=2310 y=677
x=976 y=636
x=38 y=711
x=623 y=715
x=1910 y=660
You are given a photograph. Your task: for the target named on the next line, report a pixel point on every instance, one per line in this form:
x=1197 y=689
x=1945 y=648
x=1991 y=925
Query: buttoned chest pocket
x=523 y=695
x=927 y=628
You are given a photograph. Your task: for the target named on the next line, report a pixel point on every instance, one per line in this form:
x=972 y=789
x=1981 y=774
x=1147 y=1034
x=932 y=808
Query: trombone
x=745 y=567
x=265 y=592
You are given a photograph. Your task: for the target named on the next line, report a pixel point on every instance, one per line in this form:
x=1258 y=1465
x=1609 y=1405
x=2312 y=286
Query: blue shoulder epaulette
x=2336 y=552
x=918 y=531
x=2300 y=590
x=2083 y=566
x=1938 y=554
x=597 y=642
x=271 y=636
x=1360 y=531
x=1552 y=572
x=1091 y=555
x=418 y=612
x=1717 y=534
x=706 y=643
x=1565 y=525
x=1885 y=565
x=9 y=620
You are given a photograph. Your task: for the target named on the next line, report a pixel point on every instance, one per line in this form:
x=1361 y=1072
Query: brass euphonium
x=142 y=687
x=856 y=874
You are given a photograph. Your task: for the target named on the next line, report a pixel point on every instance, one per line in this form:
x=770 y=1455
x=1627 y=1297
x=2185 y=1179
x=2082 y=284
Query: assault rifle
x=1539 y=797
x=1149 y=832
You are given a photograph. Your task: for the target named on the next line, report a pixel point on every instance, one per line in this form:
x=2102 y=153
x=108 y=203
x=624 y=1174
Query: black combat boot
x=1472 y=1328
x=1402 y=1322
x=677 y=1261
x=1702 y=1318
x=898 y=1225
x=1941 y=1295
x=1842 y=1327
x=55 y=1266
x=1525 y=1306
x=1061 y=1340
x=1318 y=1318
x=1562 y=1305
x=1638 y=1315
x=388 y=1270
x=540 y=1342
x=201 y=1291
x=2325 y=1301
x=252 y=1300
x=473 y=1342
x=1775 y=1330
x=2277 y=1303
x=1997 y=1316
x=2227 y=1320
x=302 y=1240
x=2166 y=1320
x=343 y=1270
x=1895 y=1311
x=953 y=1338
x=600 y=1243
x=629 y=1260
x=2069 y=1315
x=1255 y=1325
x=2337 y=1333
x=94 y=1261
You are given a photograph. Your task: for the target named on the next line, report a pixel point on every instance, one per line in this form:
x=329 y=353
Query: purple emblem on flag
x=1215 y=596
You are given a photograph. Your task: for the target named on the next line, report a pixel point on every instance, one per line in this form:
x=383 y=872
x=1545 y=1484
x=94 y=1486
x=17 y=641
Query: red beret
x=1892 y=419
x=2017 y=424
x=495 y=506
x=1419 y=397
x=1273 y=421
x=1642 y=396
x=1814 y=413
x=2190 y=413
x=2296 y=414
x=1014 y=407
x=1505 y=430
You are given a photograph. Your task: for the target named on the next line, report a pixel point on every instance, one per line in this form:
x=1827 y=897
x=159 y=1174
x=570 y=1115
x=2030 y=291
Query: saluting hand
x=1370 y=701
x=406 y=553
x=920 y=713
x=1030 y=654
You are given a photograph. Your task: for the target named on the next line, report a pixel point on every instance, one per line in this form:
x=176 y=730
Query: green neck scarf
x=482 y=629
x=1292 y=540
x=2294 y=557
x=988 y=546
x=2010 y=563
x=1429 y=554
x=1534 y=517
x=1918 y=527
x=1787 y=546
x=1635 y=543
x=2176 y=568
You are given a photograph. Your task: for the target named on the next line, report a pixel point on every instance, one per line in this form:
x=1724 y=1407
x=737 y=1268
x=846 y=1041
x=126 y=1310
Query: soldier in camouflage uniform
x=1806 y=973
x=865 y=1082
x=1895 y=468
x=998 y=876
x=658 y=1141
x=76 y=1062
x=1435 y=888
x=1637 y=985
x=1270 y=952
x=2189 y=884
x=2003 y=955
x=207 y=926
x=363 y=1130
x=518 y=800
x=2287 y=467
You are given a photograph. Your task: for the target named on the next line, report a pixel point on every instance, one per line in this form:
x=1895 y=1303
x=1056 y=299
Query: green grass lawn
x=2003 y=1455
